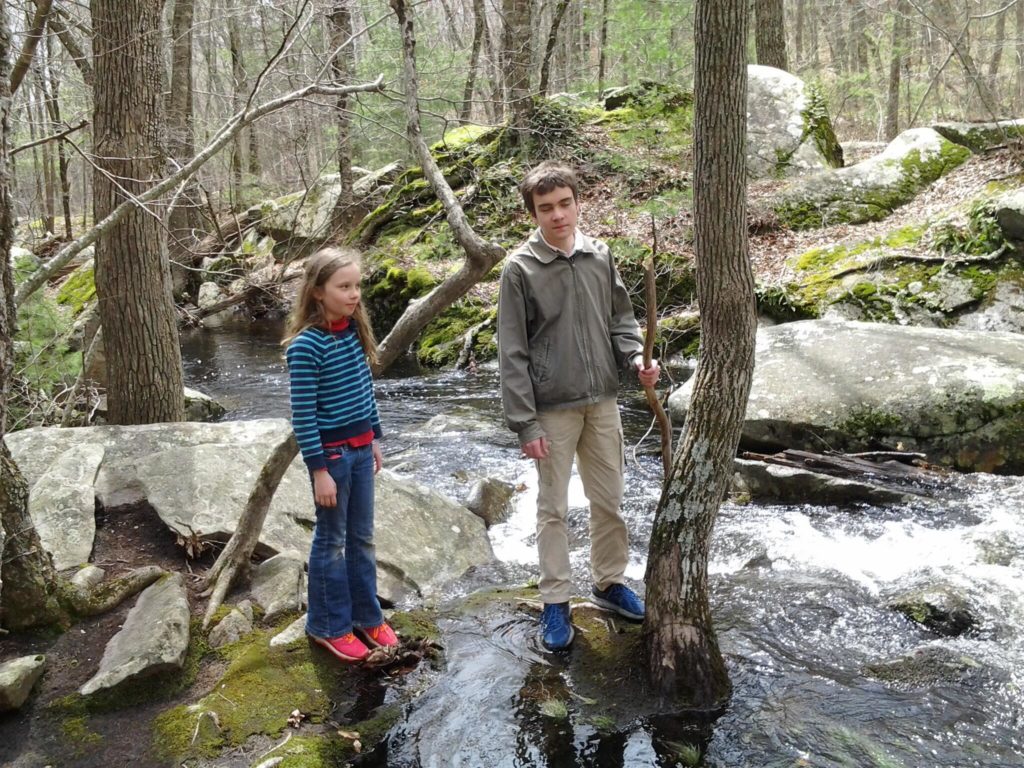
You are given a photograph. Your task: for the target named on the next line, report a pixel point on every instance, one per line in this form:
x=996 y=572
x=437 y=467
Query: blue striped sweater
x=331 y=391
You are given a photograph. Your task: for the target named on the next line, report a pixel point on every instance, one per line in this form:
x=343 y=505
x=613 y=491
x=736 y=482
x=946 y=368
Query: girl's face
x=340 y=293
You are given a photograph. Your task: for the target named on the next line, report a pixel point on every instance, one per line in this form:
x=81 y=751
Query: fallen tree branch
x=234 y=559
x=107 y=595
x=651 y=292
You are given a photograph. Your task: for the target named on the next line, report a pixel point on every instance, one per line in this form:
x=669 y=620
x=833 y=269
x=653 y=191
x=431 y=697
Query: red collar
x=338 y=325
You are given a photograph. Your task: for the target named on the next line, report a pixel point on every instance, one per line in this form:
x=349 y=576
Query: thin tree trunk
x=601 y=44
x=343 y=66
x=183 y=219
x=58 y=24
x=516 y=66
x=49 y=175
x=545 y=67
x=997 y=51
x=35 y=34
x=1019 y=27
x=28 y=582
x=237 y=87
x=133 y=280
x=892 y=102
x=770 y=34
x=684 y=662
x=53 y=107
x=479 y=22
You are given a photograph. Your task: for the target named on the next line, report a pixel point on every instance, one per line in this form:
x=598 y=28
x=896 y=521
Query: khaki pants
x=593 y=434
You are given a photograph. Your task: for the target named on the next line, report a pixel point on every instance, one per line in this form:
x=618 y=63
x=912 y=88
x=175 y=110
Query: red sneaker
x=347 y=647
x=381 y=636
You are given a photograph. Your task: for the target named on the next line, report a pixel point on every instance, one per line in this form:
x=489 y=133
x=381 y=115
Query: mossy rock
x=442 y=341
x=647 y=94
x=388 y=288
x=79 y=288
x=872 y=189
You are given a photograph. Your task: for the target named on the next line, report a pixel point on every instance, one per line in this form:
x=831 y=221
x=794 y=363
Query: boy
x=565 y=327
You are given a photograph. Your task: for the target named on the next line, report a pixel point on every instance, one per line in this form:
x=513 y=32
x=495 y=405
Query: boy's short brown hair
x=545 y=177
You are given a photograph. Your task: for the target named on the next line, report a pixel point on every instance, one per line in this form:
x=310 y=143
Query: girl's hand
x=378 y=457
x=325 y=490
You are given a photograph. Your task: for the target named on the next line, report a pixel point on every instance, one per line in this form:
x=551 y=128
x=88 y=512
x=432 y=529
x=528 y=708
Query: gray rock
x=246 y=608
x=780 y=128
x=294 y=631
x=489 y=499
x=230 y=629
x=957 y=396
x=279 y=584
x=938 y=607
x=201 y=407
x=86 y=579
x=1003 y=310
x=17 y=677
x=1009 y=213
x=873 y=188
x=789 y=485
x=62 y=504
x=928 y=666
x=209 y=294
x=153 y=639
x=423 y=539
x=982 y=136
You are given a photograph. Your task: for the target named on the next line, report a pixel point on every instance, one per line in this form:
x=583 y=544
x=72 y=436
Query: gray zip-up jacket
x=565 y=327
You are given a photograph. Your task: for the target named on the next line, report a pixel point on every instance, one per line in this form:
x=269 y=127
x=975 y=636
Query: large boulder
x=305 y=216
x=957 y=396
x=17 y=676
x=788 y=128
x=198 y=476
x=874 y=188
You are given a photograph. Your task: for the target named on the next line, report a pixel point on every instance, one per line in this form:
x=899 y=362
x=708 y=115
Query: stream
x=799 y=595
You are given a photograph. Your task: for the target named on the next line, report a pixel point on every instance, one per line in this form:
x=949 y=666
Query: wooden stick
x=664 y=423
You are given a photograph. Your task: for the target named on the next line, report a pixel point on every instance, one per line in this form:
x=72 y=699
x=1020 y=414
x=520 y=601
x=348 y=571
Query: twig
x=47 y=139
x=664 y=424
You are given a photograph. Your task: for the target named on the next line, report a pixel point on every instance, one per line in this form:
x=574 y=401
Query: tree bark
x=684 y=662
x=479 y=22
x=237 y=99
x=53 y=109
x=343 y=67
x=770 y=34
x=601 y=44
x=545 y=67
x=481 y=256
x=133 y=279
x=516 y=66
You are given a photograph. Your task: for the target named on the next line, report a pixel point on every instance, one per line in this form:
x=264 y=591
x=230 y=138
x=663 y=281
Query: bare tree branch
x=47 y=139
x=35 y=34
x=219 y=141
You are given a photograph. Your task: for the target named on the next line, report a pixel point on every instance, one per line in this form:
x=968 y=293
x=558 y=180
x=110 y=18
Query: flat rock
x=788 y=485
x=293 y=632
x=153 y=639
x=17 y=677
x=956 y=396
x=62 y=504
x=279 y=584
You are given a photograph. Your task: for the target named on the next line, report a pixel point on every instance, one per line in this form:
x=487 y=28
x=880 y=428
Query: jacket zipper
x=580 y=331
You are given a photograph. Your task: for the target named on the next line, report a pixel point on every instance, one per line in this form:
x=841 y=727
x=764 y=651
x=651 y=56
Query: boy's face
x=556 y=213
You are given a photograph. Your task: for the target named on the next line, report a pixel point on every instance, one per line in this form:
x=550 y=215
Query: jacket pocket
x=539 y=362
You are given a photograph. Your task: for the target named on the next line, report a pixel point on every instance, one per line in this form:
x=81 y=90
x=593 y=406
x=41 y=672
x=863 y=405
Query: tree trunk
x=35 y=34
x=997 y=52
x=545 y=67
x=684 y=662
x=343 y=66
x=133 y=281
x=601 y=44
x=28 y=582
x=237 y=86
x=1019 y=25
x=892 y=102
x=183 y=218
x=479 y=22
x=53 y=108
x=770 y=34
x=799 y=39
x=516 y=65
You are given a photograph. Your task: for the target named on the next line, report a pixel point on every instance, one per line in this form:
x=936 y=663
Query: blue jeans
x=342 y=563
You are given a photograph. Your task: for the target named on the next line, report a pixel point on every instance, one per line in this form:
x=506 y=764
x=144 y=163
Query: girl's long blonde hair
x=308 y=312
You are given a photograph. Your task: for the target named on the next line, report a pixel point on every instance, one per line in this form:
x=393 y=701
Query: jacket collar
x=539 y=248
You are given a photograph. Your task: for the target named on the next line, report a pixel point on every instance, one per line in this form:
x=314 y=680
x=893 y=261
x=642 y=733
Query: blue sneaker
x=621 y=599
x=556 y=626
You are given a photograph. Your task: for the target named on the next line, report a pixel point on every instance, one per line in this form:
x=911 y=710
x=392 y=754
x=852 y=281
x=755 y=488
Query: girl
x=334 y=415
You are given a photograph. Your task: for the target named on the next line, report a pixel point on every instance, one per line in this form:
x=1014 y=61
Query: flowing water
x=799 y=595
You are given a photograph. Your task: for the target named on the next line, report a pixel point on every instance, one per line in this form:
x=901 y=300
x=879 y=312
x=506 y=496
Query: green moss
x=415 y=624
x=442 y=341
x=866 y=424
x=76 y=733
x=388 y=288
x=818 y=126
x=78 y=289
